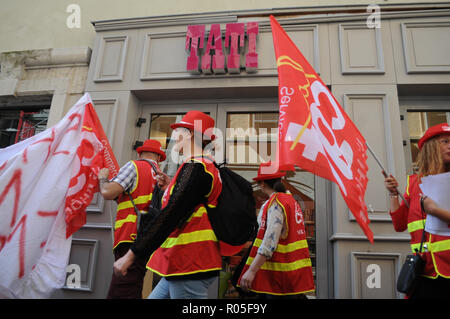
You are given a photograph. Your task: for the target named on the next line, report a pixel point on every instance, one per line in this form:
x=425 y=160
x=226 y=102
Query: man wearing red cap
x=132 y=187
x=181 y=243
x=433 y=158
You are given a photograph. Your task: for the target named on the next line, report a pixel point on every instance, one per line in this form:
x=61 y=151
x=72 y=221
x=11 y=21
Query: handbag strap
x=422 y=210
x=137 y=211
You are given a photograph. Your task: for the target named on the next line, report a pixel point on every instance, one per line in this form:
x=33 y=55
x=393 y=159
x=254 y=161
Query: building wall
x=27 y=26
x=61 y=73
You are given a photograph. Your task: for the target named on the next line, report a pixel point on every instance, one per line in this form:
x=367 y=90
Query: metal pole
x=383 y=171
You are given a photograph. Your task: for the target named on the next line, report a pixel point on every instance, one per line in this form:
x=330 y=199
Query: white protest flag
x=46 y=183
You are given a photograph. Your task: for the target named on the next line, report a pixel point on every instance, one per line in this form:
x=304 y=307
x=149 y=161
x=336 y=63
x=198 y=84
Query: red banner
x=84 y=184
x=314 y=132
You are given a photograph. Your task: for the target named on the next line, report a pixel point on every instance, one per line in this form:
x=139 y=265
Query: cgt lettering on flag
x=314 y=132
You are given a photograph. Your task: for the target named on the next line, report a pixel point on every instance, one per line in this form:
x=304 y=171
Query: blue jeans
x=182 y=289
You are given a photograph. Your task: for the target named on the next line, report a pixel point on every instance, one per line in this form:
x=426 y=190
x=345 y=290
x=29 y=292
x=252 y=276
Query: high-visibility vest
x=192 y=248
x=437 y=247
x=125 y=227
x=289 y=271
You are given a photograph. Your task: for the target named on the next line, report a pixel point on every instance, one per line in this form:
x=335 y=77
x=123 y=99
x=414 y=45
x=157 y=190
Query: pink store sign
x=212 y=58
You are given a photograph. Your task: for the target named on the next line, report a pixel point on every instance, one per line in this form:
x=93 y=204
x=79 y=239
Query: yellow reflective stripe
x=182 y=273
x=407 y=185
x=439 y=246
x=137 y=177
x=139 y=200
x=206 y=171
x=198 y=213
x=286 y=248
x=171 y=189
x=276 y=266
x=129 y=219
x=188 y=238
x=416 y=225
x=435 y=247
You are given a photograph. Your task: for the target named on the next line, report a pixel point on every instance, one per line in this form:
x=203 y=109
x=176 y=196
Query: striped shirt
x=127 y=176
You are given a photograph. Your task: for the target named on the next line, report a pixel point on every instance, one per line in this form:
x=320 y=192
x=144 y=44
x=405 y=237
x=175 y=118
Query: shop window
x=251 y=138
x=419 y=122
x=18 y=124
x=161 y=131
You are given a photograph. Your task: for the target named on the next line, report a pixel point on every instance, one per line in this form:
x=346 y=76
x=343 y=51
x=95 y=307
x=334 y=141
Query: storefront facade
x=392 y=78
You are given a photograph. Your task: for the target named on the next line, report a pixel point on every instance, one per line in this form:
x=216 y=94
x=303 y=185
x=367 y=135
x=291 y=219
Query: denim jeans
x=182 y=289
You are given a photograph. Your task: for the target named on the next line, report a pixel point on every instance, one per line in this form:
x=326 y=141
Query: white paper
x=437 y=187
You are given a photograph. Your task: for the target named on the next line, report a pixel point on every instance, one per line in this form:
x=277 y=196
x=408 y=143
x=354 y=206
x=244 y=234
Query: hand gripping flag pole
x=383 y=171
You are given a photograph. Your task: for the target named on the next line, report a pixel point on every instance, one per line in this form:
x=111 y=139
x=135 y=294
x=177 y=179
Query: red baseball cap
x=261 y=176
x=188 y=120
x=434 y=131
x=152 y=146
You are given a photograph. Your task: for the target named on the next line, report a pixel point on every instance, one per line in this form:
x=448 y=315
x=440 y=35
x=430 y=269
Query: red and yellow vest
x=437 y=248
x=289 y=271
x=125 y=227
x=193 y=248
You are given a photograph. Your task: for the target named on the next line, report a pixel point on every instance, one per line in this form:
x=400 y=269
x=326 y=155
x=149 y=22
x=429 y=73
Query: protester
x=433 y=158
x=133 y=187
x=183 y=247
x=279 y=264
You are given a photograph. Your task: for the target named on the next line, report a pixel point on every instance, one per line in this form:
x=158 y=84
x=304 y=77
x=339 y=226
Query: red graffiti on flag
x=87 y=147
x=84 y=184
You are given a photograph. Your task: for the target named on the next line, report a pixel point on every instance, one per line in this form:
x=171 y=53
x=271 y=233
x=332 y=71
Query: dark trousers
x=130 y=285
x=427 y=288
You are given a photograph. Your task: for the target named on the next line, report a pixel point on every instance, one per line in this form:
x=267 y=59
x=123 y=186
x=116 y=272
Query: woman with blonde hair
x=433 y=158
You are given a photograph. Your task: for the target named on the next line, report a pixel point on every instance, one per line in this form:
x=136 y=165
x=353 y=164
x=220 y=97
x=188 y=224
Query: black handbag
x=410 y=273
x=413 y=267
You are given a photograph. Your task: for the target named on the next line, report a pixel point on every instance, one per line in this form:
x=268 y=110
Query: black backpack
x=234 y=218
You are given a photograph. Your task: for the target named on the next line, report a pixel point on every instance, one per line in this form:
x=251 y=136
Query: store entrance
x=247 y=136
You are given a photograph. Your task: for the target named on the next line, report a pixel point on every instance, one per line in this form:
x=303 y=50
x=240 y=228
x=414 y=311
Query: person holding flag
x=279 y=265
x=133 y=188
x=433 y=158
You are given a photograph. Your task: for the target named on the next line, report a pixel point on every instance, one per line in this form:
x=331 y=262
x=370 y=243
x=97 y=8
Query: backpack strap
x=136 y=210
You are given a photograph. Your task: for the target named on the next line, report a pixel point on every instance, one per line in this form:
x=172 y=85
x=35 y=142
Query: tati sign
x=212 y=58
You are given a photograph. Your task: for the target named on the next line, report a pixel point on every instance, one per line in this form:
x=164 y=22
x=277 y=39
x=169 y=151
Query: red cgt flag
x=314 y=132
x=84 y=183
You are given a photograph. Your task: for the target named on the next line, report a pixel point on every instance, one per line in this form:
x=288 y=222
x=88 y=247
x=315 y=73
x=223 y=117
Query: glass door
x=419 y=122
x=418 y=115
